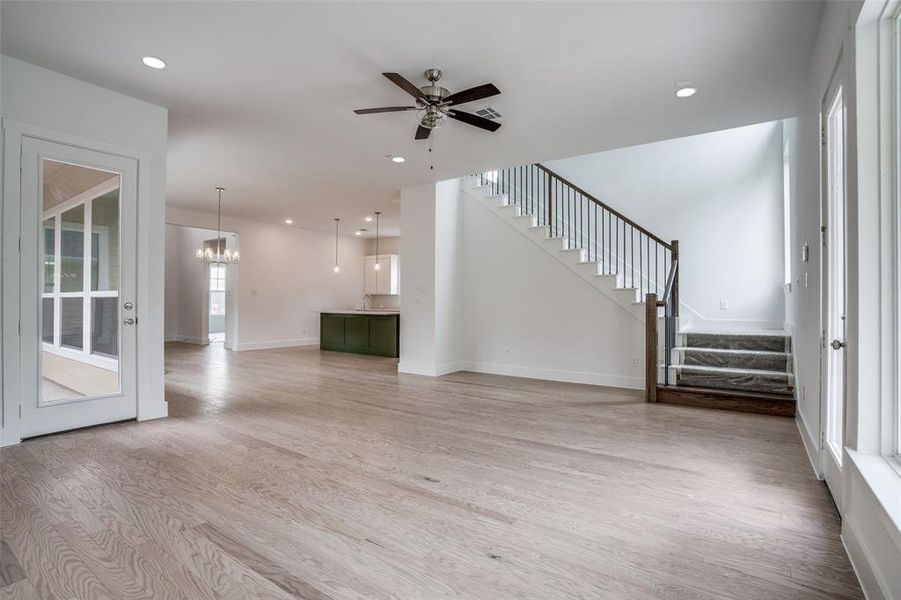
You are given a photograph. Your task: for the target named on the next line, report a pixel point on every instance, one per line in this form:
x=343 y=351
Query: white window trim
x=893 y=128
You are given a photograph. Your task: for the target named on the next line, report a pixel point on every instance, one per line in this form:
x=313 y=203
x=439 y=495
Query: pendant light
x=378 y=266
x=219 y=257
x=337 y=269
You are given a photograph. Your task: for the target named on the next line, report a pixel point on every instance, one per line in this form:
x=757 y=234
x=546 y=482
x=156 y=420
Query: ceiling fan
x=436 y=104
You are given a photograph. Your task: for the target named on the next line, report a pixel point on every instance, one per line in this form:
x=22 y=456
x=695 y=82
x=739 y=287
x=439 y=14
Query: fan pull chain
x=431 y=156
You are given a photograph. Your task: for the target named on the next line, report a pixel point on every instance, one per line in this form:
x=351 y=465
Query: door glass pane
x=47 y=320
x=49 y=257
x=105 y=242
x=71 y=323
x=72 y=250
x=80 y=199
x=105 y=327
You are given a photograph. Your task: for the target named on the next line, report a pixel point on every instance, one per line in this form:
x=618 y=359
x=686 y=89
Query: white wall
x=450 y=275
x=869 y=488
x=417 y=282
x=486 y=298
x=720 y=194
x=108 y=122
x=526 y=315
x=284 y=277
x=803 y=304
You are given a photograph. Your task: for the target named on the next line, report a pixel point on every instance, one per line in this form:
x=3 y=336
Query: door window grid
x=76 y=330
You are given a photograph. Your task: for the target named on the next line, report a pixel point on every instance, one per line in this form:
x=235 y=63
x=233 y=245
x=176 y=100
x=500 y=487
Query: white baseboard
x=619 y=381
x=184 y=339
x=810 y=444
x=427 y=369
x=265 y=345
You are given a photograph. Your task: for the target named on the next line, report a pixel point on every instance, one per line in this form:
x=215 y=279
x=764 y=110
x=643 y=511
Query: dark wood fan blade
x=384 y=109
x=405 y=85
x=477 y=93
x=422 y=133
x=476 y=120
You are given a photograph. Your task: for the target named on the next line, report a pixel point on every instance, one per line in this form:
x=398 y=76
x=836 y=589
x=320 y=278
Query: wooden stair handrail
x=604 y=206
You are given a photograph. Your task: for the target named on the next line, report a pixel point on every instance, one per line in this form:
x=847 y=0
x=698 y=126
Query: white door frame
x=39 y=417
x=150 y=402
x=830 y=467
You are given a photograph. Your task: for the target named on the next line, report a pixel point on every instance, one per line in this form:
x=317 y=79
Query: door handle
x=837 y=345
x=128 y=306
x=129 y=321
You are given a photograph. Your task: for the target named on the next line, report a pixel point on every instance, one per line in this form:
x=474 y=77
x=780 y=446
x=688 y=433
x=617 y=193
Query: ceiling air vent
x=488 y=113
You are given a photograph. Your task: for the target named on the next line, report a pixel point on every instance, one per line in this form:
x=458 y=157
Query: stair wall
x=524 y=315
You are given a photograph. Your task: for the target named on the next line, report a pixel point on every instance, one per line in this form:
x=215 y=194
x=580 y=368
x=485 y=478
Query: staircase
x=748 y=371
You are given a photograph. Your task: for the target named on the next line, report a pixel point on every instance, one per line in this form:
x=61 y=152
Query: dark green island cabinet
x=360 y=333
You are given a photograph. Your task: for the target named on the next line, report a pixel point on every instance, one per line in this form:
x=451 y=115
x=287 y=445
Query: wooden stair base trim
x=764 y=404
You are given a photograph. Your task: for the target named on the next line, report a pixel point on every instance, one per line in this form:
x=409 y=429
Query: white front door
x=78 y=258
x=834 y=283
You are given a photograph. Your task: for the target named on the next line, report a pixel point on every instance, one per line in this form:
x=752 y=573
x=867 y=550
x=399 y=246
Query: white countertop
x=372 y=311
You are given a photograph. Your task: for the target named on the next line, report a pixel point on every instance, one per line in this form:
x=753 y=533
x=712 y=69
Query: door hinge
x=823 y=134
x=823 y=235
x=822 y=440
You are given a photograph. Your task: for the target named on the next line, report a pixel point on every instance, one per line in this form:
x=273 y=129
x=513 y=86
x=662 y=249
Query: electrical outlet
x=634 y=361
x=506 y=350
x=724 y=304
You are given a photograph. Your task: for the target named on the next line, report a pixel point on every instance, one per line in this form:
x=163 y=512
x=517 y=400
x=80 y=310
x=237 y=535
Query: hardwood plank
x=10 y=569
x=295 y=473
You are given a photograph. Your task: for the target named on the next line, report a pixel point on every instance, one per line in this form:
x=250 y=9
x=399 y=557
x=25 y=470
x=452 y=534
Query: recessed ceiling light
x=685 y=92
x=288 y=221
x=398 y=159
x=359 y=232
x=154 y=62
x=368 y=219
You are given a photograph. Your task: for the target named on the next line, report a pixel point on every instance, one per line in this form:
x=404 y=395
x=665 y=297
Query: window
x=217 y=290
x=80 y=297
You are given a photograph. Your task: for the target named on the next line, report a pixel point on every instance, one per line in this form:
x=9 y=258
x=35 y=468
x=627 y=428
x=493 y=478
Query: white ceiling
x=261 y=95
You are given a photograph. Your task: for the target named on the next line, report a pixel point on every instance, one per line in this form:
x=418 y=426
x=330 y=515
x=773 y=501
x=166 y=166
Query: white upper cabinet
x=386 y=280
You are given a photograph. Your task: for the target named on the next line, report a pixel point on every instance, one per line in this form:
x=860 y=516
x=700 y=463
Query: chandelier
x=220 y=256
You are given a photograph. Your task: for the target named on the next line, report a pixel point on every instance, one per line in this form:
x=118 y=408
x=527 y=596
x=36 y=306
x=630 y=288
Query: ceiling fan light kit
x=436 y=104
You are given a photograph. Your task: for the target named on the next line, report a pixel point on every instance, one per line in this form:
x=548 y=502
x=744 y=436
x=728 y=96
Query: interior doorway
x=201 y=301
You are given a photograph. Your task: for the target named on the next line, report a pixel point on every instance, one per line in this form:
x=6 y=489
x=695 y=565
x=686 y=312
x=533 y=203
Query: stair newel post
x=675 y=251
x=650 y=356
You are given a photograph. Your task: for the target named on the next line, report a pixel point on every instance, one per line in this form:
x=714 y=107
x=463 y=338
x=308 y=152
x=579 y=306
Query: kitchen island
x=375 y=332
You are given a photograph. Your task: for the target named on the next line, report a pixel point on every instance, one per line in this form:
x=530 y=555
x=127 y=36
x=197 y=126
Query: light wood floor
x=299 y=474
